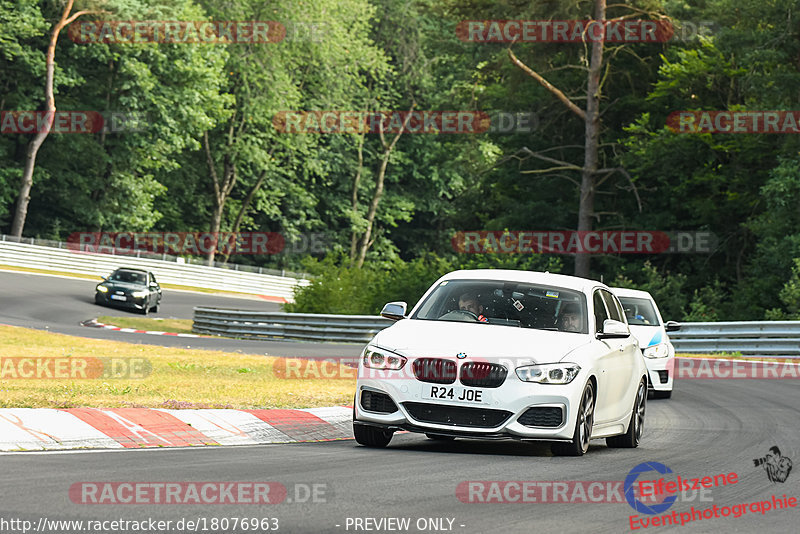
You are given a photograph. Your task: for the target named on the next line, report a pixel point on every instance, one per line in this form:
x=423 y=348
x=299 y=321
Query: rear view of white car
x=646 y=324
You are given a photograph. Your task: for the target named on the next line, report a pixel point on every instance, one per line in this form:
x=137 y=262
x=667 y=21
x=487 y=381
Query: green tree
x=247 y=157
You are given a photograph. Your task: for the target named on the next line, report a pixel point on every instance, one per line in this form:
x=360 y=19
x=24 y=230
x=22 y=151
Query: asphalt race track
x=710 y=427
x=60 y=304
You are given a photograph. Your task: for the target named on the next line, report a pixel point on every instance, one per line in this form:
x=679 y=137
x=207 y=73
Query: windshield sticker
x=518 y=305
x=552 y=294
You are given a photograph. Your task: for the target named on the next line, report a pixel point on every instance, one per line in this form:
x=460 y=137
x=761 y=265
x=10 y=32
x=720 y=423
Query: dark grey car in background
x=133 y=289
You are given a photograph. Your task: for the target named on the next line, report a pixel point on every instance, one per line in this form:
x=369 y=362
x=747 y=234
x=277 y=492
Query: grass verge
x=736 y=356
x=178 y=326
x=180 y=378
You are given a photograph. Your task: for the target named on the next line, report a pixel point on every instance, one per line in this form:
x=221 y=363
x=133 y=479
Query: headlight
x=656 y=351
x=549 y=373
x=102 y=289
x=139 y=294
x=382 y=359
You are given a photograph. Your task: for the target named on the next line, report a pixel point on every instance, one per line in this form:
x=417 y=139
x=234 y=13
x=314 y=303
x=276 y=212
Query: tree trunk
x=243 y=208
x=354 y=200
x=592 y=141
x=222 y=189
x=216 y=222
x=376 y=196
x=373 y=209
x=24 y=196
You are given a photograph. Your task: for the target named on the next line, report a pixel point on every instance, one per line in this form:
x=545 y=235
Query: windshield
x=506 y=303
x=639 y=312
x=131 y=277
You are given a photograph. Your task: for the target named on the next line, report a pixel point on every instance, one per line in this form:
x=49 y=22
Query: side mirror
x=394 y=310
x=672 y=326
x=613 y=329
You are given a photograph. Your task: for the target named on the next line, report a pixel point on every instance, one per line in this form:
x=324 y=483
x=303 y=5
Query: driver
x=469 y=302
x=569 y=320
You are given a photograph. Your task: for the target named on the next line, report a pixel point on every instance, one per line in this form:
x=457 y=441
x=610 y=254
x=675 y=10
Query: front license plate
x=458 y=394
x=119 y=297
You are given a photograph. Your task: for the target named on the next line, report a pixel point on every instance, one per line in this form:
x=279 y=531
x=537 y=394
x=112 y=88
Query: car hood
x=648 y=335
x=443 y=339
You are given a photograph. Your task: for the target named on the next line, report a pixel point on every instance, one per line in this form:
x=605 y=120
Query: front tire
x=583 y=427
x=630 y=439
x=372 y=436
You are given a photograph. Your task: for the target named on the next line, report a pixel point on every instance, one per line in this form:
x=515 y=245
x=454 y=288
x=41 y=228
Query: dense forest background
x=210 y=157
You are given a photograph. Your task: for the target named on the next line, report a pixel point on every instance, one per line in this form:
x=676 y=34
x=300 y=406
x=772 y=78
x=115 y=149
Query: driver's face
x=570 y=323
x=470 y=305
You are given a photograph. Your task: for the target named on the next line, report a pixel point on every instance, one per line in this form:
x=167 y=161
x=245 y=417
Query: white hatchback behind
x=495 y=354
x=646 y=324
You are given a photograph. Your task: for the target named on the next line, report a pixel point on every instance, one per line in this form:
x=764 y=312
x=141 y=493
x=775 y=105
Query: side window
x=614 y=309
x=600 y=313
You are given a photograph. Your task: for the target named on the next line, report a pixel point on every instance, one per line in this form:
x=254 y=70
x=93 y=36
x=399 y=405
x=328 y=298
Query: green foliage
x=790 y=294
x=337 y=288
x=790 y=297
x=706 y=304
x=388 y=55
x=667 y=289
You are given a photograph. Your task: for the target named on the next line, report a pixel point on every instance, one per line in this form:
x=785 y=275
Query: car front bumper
x=416 y=412
x=659 y=369
x=131 y=303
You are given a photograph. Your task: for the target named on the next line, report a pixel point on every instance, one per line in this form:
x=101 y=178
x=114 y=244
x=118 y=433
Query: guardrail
x=750 y=338
x=19 y=254
x=762 y=338
x=302 y=326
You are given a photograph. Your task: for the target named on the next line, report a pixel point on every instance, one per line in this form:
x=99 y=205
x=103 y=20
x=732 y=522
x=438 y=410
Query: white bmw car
x=494 y=354
x=646 y=324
